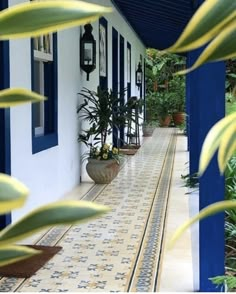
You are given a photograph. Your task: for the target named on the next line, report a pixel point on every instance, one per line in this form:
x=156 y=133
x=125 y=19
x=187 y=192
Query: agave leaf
x=13 y=253
x=35 y=18
x=62 y=212
x=207 y=211
x=221 y=48
x=227 y=146
x=213 y=139
x=207 y=22
x=16 y=96
x=12 y=193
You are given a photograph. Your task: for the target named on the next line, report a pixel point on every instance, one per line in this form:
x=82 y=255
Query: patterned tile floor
x=120 y=251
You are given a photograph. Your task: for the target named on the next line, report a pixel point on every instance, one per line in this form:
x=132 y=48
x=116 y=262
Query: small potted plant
x=149 y=127
x=103 y=112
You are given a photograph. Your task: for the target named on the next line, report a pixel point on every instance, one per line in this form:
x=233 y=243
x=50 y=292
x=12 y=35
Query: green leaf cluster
x=213 y=23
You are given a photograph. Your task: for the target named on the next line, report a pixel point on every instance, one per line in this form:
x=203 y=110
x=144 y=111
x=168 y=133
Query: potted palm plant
x=103 y=111
x=177 y=87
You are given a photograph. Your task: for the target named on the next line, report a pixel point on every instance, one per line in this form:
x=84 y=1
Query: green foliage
x=228 y=281
x=104 y=111
x=191 y=181
x=159 y=104
x=35 y=18
x=32 y=19
x=213 y=23
x=177 y=88
x=160 y=68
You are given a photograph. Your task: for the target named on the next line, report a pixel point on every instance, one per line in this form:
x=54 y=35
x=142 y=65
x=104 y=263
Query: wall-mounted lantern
x=88 y=51
x=139 y=75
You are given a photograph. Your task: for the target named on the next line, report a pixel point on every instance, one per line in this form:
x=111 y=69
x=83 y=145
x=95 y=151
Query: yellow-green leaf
x=227 y=146
x=35 y=18
x=62 y=212
x=213 y=139
x=17 y=96
x=221 y=48
x=207 y=22
x=12 y=193
x=13 y=253
x=208 y=211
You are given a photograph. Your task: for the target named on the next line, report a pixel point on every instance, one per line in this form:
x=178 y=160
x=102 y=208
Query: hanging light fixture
x=139 y=75
x=88 y=50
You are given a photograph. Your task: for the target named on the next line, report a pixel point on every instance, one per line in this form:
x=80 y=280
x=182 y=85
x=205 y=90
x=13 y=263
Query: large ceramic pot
x=102 y=171
x=178 y=118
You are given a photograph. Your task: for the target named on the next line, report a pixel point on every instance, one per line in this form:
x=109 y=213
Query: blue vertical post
x=192 y=87
x=5 y=141
x=207 y=106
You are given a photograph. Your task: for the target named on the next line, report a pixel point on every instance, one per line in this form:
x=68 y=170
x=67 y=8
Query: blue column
x=192 y=93
x=207 y=106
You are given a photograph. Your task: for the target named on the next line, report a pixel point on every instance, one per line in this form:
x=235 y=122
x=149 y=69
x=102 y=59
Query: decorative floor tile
x=120 y=251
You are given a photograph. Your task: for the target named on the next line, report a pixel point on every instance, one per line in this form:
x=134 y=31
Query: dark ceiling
x=157 y=22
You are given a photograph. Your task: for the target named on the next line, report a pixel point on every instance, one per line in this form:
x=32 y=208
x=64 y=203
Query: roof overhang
x=158 y=23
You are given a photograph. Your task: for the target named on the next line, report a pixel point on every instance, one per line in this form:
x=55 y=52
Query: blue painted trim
x=115 y=48
x=129 y=84
x=144 y=98
x=141 y=87
x=122 y=85
x=5 y=127
x=193 y=108
x=50 y=138
x=207 y=106
x=212 y=187
x=187 y=101
x=103 y=81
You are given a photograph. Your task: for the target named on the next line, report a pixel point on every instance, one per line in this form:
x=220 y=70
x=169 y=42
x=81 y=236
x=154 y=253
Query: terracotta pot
x=165 y=122
x=178 y=118
x=102 y=171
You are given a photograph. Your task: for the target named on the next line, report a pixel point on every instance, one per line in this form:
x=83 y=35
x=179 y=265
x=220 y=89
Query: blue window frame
x=103 y=54
x=128 y=70
x=44 y=81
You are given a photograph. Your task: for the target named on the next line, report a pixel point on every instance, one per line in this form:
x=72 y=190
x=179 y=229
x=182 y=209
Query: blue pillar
x=207 y=106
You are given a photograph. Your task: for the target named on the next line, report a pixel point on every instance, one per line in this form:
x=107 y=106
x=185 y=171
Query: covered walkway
x=123 y=250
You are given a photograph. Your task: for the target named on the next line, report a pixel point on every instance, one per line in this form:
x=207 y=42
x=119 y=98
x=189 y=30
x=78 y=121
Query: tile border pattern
x=145 y=275
x=145 y=261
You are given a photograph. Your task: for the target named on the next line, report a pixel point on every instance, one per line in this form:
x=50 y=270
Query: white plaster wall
x=116 y=20
x=51 y=173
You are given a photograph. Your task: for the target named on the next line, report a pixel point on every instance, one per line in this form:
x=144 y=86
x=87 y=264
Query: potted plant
x=149 y=127
x=102 y=111
x=177 y=87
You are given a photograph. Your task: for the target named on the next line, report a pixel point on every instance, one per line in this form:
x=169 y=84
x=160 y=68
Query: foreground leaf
x=13 y=253
x=36 y=18
x=213 y=140
x=63 y=212
x=221 y=48
x=207 y=22
x=12 y=193
x=17 y=96
x=208 y=211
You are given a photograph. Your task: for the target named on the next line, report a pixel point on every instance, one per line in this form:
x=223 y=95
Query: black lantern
x=88 y=51
x=139 y=75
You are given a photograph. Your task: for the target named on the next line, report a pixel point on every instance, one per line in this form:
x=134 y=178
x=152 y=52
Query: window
x=44 y=81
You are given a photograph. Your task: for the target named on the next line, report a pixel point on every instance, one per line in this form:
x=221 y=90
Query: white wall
x=116 y=20
x=51 y=173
